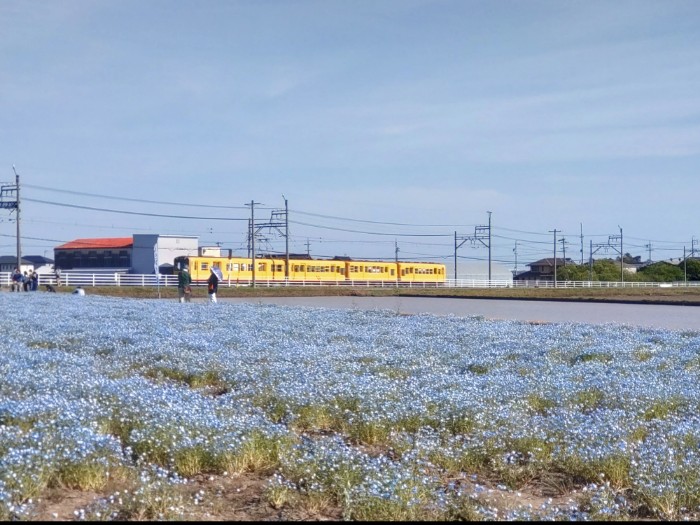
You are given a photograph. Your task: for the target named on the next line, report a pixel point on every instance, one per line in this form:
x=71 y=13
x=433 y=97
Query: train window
x=341 y=270
x=392 y=272
x=262 y=266
x=205 y=266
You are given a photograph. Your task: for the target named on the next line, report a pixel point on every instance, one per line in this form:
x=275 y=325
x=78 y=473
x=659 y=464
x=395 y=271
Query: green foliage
x=478 y=369
x=693 y=269
x=588 y=357
x=539 y=404
x=589 y=399
x=663 y=408
x=661 y=272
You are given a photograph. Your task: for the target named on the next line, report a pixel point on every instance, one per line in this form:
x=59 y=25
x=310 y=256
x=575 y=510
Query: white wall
x=169 y=247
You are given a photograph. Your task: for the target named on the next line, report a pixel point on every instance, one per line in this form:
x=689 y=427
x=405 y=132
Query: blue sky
x=384 y=123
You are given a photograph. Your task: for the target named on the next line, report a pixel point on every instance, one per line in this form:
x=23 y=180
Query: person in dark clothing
x=50 y=288
x=184 y=290
x=212 y=286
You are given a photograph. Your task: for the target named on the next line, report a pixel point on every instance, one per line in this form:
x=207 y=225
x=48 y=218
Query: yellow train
x=237 y=270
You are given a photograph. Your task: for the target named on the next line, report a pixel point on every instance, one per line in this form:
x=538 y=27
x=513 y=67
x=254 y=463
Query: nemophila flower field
x=381 y=415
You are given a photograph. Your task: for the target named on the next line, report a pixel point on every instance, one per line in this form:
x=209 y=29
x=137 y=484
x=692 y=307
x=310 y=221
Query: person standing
x=16 y=280
x=184 y=289
x=212 y=286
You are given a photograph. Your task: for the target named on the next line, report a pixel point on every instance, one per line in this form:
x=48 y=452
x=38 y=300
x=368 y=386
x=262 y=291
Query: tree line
x=609 y=270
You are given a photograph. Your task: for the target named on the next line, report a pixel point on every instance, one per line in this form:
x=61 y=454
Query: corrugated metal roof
x=98 y=244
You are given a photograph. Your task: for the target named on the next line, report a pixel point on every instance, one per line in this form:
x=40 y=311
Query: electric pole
x=19 y=243
x=9 y=200
x=286 y=237
x=563 y=249
x=489 y=247
x=554 y=231
x=252 y=236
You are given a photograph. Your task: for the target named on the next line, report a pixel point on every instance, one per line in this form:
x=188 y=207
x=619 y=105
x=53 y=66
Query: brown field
x=677 y=295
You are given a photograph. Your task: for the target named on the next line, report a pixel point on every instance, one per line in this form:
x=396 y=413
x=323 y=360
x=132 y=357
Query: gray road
x=646 y=315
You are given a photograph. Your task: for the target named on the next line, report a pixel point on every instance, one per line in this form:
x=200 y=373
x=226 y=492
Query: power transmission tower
x=9 y=200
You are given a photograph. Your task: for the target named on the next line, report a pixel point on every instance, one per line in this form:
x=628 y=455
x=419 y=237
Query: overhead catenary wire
x=125 y=212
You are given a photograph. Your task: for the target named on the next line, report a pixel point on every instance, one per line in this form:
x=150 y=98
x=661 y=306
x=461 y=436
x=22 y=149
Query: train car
x=371 y=271
x=233 y=269
x=240 y=269
x=411 y=272
x=316 y=270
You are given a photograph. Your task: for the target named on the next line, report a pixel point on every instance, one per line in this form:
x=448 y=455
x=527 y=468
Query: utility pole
x=515 y=251
x=286 y=238
x=563 y=249
x=489 y=247
x=581 y=244
x=252 y=235
x=9 y=200
x=648 y=246
x=19 y=243
x=308 y=247
x=554 y=231
x=693 y=243
x=622 y=258
x=685 y=267
x=480 y=233
x=396 y=250
x=463 y=239
x=622 y=253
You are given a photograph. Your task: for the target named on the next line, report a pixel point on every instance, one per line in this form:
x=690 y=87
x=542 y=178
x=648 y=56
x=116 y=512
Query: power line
x=378 y=222
x=62 y=204
x=112 y=197
x=371 y=233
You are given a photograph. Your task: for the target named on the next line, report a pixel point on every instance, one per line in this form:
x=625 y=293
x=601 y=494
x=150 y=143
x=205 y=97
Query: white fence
x=119 y=279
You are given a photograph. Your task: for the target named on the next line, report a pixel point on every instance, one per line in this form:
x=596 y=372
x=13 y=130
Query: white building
x=151 y=250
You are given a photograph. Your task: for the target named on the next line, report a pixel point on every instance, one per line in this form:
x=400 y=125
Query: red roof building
x=114 y=243
x=108 y=252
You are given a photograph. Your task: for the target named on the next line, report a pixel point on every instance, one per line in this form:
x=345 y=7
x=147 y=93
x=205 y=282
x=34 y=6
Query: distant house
x=543 y=270
x=140 y=253
x=112 y=252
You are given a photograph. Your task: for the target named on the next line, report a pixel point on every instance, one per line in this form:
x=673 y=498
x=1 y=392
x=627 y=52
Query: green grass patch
x=589 y=399
x=592 y=357
x=539 y=404
x=663 y=408
x=477 y=369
